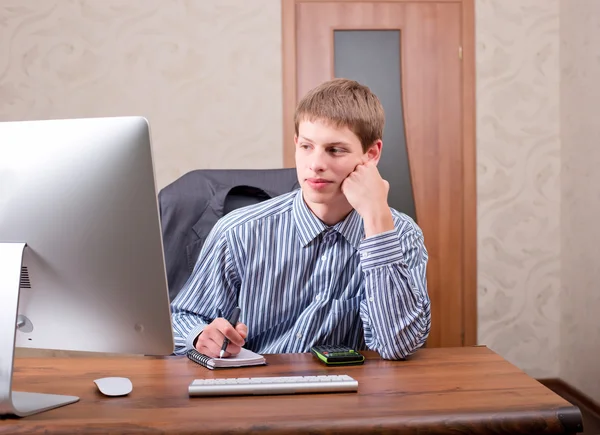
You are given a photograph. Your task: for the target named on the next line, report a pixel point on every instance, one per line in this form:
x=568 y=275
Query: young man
x=330 y=263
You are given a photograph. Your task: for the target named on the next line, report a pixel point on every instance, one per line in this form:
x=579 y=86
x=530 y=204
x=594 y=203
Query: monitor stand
x=16 y=403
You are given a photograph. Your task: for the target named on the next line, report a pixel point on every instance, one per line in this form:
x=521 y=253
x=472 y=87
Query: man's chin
x=318 y=197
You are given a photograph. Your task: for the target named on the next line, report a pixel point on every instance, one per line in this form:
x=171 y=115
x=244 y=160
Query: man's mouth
x=318 y=183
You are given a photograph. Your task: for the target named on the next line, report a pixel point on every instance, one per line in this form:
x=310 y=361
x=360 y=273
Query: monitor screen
x=81 y=194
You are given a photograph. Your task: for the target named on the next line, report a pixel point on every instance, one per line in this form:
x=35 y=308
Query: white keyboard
x=273 y=385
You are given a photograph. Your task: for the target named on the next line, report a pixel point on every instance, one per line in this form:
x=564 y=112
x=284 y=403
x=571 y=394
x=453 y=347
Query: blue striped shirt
x=299 y=282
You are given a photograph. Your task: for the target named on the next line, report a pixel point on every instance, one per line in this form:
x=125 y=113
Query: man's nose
x=318 y=161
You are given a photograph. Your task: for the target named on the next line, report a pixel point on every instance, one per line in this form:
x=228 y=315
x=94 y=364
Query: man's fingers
x=206 y=343
x=242 y=330
x=230 y=332
x=211 y=339
x=365 y=163
x=233 y=349
x=217 y=343
x=213 y=344
x=344 y=185
x=210 y=349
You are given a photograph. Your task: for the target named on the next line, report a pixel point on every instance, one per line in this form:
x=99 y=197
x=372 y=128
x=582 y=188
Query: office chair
x=192 y=204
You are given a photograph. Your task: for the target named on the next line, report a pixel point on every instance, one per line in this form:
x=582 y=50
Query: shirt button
x=318 y=297
x=371 y=299
x=298 y=336
x=365 y=255
x=324 y=257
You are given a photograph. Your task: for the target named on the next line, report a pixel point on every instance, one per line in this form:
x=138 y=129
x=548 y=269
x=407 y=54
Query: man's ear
x=373 y=154
x=296 y=139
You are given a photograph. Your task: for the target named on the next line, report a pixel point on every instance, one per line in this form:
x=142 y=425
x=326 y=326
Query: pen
x=233 y=320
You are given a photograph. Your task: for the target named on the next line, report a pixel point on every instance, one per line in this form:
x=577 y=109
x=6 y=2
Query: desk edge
x=570 y=418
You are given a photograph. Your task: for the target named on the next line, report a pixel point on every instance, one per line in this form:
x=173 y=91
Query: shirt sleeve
x=396 y=312
x=211 y=290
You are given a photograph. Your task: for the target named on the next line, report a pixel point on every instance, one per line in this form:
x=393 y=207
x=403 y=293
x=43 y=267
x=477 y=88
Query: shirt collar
x=351 y=228
x=309 y=226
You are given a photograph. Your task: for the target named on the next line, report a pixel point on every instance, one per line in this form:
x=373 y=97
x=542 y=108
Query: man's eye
x=337 y=150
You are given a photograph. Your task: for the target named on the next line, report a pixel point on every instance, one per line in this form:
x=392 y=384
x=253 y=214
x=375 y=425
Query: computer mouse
x=114 y=386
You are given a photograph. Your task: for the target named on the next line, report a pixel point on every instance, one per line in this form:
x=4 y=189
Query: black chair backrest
x=192 y=204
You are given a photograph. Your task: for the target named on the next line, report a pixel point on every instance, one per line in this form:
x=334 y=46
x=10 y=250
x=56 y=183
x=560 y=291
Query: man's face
x=325 y=156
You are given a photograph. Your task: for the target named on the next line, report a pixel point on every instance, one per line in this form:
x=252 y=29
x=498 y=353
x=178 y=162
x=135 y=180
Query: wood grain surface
x=437 y=390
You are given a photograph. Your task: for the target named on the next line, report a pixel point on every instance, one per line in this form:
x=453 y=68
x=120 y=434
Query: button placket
x=327 y=247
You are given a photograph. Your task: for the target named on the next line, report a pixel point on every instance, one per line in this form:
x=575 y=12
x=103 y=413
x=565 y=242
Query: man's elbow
x=410 y=340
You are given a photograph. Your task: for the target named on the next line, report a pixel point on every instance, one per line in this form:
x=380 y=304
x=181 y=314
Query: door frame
x=469 y=264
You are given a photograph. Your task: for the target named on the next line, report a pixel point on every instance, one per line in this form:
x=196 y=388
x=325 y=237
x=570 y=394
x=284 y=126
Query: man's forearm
x=398 y=325
x=396 y=313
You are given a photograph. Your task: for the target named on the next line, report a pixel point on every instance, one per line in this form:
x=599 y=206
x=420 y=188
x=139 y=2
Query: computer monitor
x=81 y=255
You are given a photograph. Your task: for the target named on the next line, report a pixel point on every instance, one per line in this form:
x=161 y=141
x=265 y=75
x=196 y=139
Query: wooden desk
x=459 y=390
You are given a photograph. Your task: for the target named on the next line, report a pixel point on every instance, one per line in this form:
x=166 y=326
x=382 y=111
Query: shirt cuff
x=189 y=342
x=380 y=250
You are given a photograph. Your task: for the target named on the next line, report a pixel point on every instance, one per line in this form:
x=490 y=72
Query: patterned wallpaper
x=580 y=207
x=518 y=173
x=206 y=73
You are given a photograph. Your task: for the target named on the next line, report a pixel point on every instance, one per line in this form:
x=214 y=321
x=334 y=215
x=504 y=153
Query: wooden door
x=428 y=145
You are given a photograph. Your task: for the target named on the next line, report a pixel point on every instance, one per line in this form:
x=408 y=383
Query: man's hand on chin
x=367 y=193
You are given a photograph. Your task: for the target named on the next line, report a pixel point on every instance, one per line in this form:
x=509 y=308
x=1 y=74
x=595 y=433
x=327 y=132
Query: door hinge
x=460 y=53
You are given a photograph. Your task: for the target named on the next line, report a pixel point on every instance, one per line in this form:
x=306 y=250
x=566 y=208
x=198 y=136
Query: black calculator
x=337 y=355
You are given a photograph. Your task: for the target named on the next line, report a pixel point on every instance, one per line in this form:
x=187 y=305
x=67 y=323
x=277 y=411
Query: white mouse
x=114 y=386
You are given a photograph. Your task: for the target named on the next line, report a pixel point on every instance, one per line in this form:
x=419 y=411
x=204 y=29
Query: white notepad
x=243 y=359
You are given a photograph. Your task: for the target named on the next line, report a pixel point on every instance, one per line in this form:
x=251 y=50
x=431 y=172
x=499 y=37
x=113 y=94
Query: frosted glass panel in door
x=372 y=57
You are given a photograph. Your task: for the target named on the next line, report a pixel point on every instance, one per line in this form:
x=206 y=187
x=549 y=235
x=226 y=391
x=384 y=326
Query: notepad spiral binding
x=198 y=358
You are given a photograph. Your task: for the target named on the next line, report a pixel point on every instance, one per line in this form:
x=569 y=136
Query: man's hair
x=344 y=103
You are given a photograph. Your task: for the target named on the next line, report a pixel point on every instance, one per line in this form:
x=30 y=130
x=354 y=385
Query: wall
x=580 y=208
x=206 y=73
x=518 y=181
